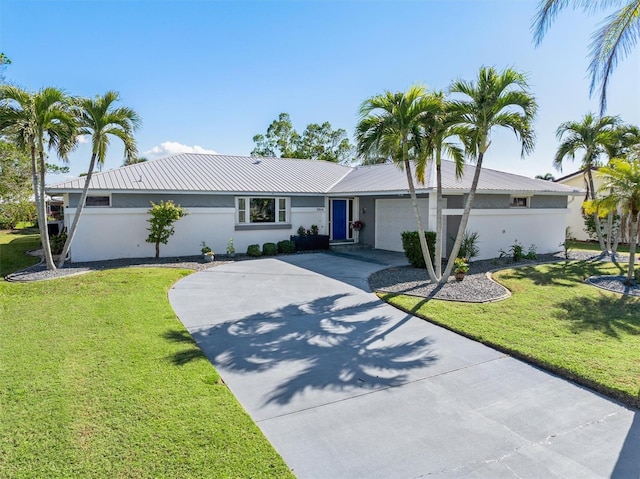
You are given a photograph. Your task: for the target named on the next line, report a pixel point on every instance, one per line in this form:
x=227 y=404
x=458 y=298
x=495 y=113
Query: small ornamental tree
x=163 y=216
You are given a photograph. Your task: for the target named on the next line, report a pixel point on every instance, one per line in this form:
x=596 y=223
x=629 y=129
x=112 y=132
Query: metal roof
x=216 y=173
x=389 y=178
x=201 y=173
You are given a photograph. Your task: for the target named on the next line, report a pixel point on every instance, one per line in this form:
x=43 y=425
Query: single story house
x=258 y=200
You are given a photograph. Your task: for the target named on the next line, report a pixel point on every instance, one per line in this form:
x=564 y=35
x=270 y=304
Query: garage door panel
x=395 y=216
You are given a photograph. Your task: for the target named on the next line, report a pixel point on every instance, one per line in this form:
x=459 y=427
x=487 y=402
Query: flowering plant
x=460 y=265
x=357 y=225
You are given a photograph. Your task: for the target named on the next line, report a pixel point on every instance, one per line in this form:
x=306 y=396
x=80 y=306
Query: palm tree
x=621 y=189
x=597 y=137
x=391 y=126
x=37 y=122
x=611 y=43
x=546 y=177
x=439 y=127
x=99 y=118
x=627 y=142
x=496 y=99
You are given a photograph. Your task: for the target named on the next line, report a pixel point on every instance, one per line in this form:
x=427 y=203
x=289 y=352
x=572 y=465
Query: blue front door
x=339 y=219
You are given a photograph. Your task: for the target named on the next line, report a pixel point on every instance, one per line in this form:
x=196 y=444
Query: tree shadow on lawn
x=606 y=313
x=567 y=274
x=320 y=345
x=192 y=353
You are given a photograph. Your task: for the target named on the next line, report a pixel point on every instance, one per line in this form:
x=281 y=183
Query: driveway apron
x=345 y=386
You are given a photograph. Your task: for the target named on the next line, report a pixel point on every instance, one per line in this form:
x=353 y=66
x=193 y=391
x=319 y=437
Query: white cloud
x=82 y=139
x=169 y=148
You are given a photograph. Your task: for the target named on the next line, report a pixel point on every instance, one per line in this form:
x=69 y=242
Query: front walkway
x=345 y=386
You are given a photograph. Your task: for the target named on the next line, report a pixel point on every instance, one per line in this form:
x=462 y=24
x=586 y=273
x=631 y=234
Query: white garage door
x=395 y=216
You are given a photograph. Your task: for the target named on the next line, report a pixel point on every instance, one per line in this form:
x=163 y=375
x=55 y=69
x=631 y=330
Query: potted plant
x=207 y=254
x=231 y=250
x=460 y=268
x=357 y=225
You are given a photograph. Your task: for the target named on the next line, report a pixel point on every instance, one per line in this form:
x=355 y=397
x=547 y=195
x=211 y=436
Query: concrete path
x=345 y=386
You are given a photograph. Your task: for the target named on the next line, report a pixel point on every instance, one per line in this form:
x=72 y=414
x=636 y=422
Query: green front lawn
x=98 y=378
x=554 y=320
x=13 y=244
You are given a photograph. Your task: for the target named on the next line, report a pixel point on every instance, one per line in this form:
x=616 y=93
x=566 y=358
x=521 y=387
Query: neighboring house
x=258 y=200
x=575 y=219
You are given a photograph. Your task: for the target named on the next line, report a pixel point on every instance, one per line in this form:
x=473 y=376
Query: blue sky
x=214 y=73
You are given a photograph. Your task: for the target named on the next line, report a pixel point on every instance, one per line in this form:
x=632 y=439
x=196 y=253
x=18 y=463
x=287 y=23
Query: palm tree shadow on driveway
x=322 y=344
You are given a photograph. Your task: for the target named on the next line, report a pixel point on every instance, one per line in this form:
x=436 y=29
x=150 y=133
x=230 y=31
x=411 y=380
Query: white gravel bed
x=477 y=286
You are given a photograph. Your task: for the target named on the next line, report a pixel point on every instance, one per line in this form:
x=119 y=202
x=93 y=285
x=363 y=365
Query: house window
x=262 y=210
x=519 y=202
x=98 y=201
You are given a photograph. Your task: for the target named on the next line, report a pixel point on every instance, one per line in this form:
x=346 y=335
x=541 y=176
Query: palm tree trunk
x=610 y=238
x=41 y=212
x=423 y=241
x=632 y=246
x=596 y=218
x=465 y=219
x=438 y=252
x=76 y=218
x=46 y=246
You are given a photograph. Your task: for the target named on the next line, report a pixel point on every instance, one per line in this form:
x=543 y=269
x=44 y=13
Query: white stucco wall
x=499 y=229
x=108 y=233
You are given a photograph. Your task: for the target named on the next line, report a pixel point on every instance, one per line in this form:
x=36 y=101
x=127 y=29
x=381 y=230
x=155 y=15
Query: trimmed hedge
x=412 y=249
x=286 y=247
x=269 y=249
x=253 y=250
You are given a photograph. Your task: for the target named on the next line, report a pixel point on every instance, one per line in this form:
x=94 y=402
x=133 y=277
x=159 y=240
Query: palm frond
x=612 y=43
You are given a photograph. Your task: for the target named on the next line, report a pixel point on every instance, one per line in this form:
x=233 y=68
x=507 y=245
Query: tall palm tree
x=621 y=189
x=439 y=126
x=99 y=118
x=612 y=42
x=597 y=137
x=38 y=122
x=495 y=99
x=391 y=126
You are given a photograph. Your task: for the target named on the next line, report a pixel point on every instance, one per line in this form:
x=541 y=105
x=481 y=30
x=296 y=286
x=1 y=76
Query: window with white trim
x=104 y=201
x=266 y=210
x=520 y=201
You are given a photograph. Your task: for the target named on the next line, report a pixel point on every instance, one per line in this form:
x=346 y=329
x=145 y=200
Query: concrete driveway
x=345 y=386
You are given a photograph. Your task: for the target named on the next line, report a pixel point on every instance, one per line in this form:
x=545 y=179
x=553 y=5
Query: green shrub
x=516 y=251
x=412 y=249
x=636 y=274
x=469 y=246
x=254 y=250
x=57 y=242
x=286 y=247
x=269 y=249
